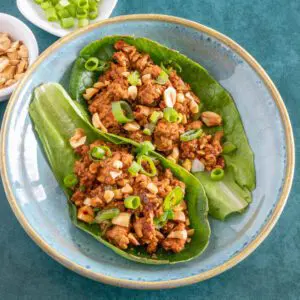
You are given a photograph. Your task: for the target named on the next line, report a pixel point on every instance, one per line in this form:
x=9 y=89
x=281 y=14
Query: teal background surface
x=269 y=30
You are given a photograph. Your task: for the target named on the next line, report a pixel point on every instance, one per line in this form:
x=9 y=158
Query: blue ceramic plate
x=40 y=204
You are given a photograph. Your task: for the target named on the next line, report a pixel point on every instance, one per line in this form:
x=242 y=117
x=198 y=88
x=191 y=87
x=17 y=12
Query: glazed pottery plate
x=36 y=15
x=40 y=204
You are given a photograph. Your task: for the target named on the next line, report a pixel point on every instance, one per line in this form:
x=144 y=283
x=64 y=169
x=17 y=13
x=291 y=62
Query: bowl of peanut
x=18 y=50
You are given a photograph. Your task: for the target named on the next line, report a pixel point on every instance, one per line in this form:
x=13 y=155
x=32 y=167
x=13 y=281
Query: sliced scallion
x=132 y=202
x=70 y=180
x=173 y=198
x=217 y=174
x=107 y=214
x=142 y=160
x=191 y=135
x=122 y=112
x=134 y=168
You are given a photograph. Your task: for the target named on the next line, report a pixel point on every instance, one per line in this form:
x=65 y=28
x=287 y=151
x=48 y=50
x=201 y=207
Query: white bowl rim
x=6 y=92
x=60 y=32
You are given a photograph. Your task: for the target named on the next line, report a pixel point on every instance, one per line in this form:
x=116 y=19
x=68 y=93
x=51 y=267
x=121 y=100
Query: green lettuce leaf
x=55 y=117
x=240 y=164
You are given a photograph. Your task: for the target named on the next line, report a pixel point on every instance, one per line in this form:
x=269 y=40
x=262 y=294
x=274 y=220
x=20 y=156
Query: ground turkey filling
x=150 y=94
x=104 y=184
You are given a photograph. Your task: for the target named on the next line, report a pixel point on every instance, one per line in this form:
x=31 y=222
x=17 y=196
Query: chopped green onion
x=63 y=13
x=144 y=148
x=51 y=14
x=83 y=4
x=122 y=112
x=72 y=10
x=179 y=118
x=149 y=128
x=45 y=5
x=81 y=13
x=134 y=168
x=146 y=159
x=93 y=13
x=173 y=198
x=58 y=7
x=83 y=22
x=91 y=64
x=217 y=174
x=67 y=22
x=228 y=147
x=107 y=215
x=64 y=3
x=134 y=78
x=163 y=219
x=132 y=202
x=163 y=78
x=70 y=180
x=155 y=116
x=191 y=135
x=197 y=115
x=100 y=152
x=147 y=131
x=170 y=114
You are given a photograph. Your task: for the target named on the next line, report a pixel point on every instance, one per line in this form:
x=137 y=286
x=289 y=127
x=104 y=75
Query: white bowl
x=35 y=14
x=17 y=30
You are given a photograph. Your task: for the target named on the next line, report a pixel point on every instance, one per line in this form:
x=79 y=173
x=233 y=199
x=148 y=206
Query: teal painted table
x=269 y=30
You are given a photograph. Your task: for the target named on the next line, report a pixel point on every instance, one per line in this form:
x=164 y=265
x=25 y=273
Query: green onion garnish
x=93 y=12
x=107 y=215
x=134 y=168
x=155 y=116
x=163 y=219
x=170 y=114
x=51 y=14
x=163 y=78
x=132 y=202
x=83 y=4
x=217 y=174
x=143 y=159
x=67 y=22
x=173 y=198
x=191 y=135
x=92 y=63
x=144 y=148
x=100 y=152
x=134 y=78
x=122 y=112
x=63 y=10
x=70 y=180
x=228 y=147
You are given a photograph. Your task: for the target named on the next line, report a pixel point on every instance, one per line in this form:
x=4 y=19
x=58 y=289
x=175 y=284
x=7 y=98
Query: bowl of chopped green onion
x=60 y=17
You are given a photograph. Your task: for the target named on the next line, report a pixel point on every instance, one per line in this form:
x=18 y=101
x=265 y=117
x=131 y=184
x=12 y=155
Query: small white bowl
x=17 y=30
x=35 y=14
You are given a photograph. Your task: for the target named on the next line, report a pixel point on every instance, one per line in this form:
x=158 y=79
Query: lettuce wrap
x=233 y=193
x=55 y=117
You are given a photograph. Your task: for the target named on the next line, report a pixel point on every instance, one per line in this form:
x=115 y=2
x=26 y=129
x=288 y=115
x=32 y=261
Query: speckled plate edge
x=290 y=150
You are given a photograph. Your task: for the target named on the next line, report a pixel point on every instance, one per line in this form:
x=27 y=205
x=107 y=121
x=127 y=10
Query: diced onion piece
x=87 y=201
x=197 y=165
x=117 y=164
x=114 y=174
x=179 y=216
x=123 y=219
x=181 y=235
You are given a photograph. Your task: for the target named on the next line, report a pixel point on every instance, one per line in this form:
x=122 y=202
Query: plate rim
x=286 y=187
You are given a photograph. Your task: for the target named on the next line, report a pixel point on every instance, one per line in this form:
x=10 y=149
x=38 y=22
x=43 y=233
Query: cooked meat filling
x=148 y=89
x=133 y=201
